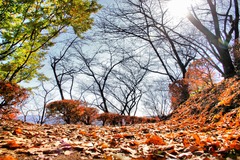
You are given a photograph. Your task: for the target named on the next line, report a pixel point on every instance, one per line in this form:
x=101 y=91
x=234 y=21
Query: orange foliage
x=199 y=75
x=103 y=117
x=110 y=118
x=179 y=92
x=11 y=94
x=72 y=111
x=66 y=108
x=9 y=113
x=87 y=114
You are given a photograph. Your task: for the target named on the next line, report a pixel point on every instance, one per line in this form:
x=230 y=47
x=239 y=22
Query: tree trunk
x=228 y=67
x=236 y=49
x=222 y=48
x=236 y=53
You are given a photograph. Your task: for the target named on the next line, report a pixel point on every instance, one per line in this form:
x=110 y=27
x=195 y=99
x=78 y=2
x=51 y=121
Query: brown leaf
x=128 y=150
x=187 y=155
x=193 y=148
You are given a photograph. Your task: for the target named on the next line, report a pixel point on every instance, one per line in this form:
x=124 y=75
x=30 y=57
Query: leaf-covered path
x=206 y=126
x=143 y=141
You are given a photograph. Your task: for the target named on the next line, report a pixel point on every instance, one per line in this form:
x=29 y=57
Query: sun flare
x=179 y=8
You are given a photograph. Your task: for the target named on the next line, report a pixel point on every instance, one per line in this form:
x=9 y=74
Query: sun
x=179 y=8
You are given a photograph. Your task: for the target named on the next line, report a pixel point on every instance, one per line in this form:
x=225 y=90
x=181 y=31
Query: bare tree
x=147 y=21
x=126 y=87
x=45 y=96
x=35 y=107
x=99 y=69
x=62 y=70
x=218 y=21
x=156 y=99
x=24 y=110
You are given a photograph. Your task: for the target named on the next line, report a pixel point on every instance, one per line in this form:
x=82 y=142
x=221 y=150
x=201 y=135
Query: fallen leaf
x=17 y=131
x=187 y=155
x=104 y=145
x=7 y=158
x=156 y=140
x=186 y=142
x=12 y=144
x=197 y=139
x=235 y=145
x=67 y=153
x=128 y=150
x=193 y=148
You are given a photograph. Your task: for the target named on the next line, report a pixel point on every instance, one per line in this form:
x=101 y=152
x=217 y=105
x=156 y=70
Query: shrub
x=199 y=75
x=88 y=114
x=104 y=117
x=111 y=118
x=72 y=111
x=179 y=92
x=65 y=109
x=11 y=95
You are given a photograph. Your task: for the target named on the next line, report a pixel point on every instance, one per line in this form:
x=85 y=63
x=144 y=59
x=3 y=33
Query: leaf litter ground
x=205 y=127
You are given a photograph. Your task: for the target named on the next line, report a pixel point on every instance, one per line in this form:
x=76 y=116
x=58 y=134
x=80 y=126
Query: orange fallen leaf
x=156 y=140
x=197 y=139
x=12 y=144
x=235 y=145
x=117 y=136
x=148 y=135
x=82 y=133
x=105 y=145
x=5 y=133
x=94 y=135
x=7 y=158
x=186 y=142
x=107 y=157
x=18 y=131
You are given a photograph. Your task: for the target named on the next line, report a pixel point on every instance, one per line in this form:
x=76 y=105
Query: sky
x=57 y=49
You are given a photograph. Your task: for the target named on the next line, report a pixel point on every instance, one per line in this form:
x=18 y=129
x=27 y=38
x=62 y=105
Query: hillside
x=205 y=127
x=220 y=104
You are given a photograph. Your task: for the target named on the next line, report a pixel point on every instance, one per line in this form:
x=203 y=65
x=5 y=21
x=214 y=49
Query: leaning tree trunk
x=223 y=51
x=228 y=67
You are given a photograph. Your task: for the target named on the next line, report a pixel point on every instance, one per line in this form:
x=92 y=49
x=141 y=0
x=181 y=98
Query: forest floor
x=206 y=126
